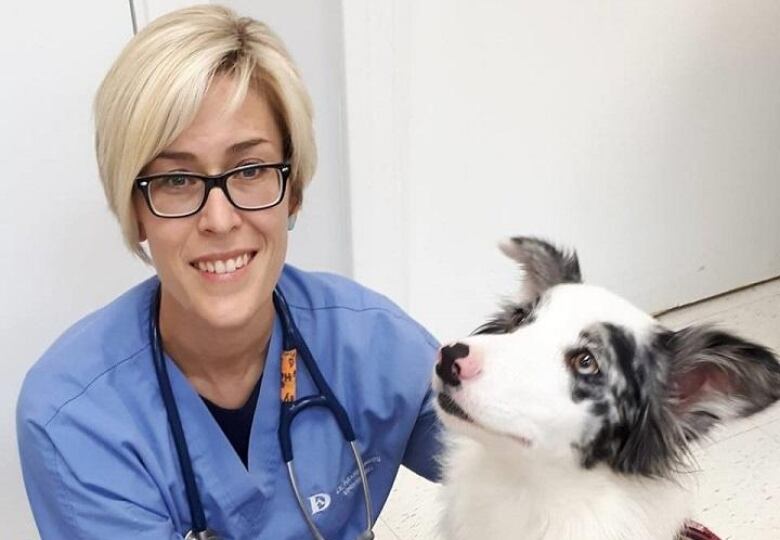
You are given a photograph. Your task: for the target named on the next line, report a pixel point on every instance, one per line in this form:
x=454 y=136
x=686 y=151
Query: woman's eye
x=250 y=173
x=584 y=363
x=177 y=181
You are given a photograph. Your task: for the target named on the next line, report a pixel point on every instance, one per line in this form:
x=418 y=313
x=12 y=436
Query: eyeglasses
x=180 y=194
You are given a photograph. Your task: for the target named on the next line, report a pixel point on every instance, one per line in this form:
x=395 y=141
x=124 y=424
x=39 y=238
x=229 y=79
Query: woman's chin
x=229 y=313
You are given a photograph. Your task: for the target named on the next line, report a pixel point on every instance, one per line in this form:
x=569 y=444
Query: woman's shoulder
x=90 y=349
x=325 y=292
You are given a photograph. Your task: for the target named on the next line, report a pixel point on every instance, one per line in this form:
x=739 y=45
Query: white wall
x=377 y=59
x=643 y=133
x=63 y=255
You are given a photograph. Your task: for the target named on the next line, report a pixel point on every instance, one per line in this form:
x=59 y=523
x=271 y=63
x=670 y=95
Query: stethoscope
x=293 y=347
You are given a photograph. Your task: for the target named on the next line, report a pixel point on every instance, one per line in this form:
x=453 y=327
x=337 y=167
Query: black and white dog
x=570 y=415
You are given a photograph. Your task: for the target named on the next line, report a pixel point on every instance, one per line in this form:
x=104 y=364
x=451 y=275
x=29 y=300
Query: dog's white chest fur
x=488 y=498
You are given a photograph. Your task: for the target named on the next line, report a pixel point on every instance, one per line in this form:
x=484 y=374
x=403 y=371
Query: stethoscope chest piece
x=208 y=534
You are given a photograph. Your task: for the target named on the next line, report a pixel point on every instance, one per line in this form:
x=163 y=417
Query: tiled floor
x=739 y=482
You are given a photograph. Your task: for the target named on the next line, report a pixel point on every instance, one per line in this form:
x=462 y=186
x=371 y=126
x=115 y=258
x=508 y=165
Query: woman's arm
x=425 y=444
x=70 y=501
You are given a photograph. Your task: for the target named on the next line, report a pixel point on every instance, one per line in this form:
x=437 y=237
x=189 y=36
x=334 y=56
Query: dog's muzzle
x=449 y=406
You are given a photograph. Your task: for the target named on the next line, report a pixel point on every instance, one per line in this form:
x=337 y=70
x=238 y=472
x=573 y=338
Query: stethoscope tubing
x=326 y=398
x=198 y=516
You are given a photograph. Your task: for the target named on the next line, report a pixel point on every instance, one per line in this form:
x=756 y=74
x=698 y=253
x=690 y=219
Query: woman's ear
x=292 y=216
x=138 y=207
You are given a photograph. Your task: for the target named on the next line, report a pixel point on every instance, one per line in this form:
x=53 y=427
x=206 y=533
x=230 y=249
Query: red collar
x=697 y=531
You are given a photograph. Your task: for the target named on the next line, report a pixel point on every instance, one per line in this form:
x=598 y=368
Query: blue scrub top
x=99 y=461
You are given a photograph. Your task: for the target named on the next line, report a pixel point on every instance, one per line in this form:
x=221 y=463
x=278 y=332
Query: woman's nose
x=458 y=362
x=218 y=214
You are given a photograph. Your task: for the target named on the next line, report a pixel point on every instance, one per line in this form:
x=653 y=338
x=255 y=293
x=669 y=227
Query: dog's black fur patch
x=620 y=399
x=512 y=317
x=647 y=412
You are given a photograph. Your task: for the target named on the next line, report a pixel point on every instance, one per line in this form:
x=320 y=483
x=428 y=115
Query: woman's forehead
x=221 y=131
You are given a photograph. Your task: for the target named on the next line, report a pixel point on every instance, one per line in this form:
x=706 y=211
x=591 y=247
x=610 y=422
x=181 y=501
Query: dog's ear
x=705 y=376
x=715 y=376
x=543 y=265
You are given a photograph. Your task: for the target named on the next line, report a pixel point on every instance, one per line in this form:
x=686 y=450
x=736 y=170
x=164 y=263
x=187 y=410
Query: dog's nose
x=457 y=363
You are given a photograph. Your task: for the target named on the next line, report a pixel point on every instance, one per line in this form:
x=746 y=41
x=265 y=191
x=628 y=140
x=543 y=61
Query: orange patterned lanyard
x=289 y=370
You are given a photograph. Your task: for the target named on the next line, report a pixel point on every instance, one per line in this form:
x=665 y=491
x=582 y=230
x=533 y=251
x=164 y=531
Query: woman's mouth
x=227 y=265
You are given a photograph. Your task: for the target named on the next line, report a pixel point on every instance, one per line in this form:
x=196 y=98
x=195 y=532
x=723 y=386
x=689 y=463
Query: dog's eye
x=584 y=363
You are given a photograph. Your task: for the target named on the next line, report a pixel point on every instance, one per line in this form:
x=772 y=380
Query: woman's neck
x=223 y=364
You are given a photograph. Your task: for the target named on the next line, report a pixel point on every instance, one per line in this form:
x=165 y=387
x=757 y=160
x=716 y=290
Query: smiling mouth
x=226 y=266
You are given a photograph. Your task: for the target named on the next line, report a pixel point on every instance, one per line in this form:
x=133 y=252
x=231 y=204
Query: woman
x=204 y=143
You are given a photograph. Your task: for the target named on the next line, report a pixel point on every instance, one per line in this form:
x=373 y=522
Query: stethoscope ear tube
x=293 y=339
x=326 y=399
x=198 y=517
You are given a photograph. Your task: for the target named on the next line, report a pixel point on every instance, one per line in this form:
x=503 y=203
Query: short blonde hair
x=155 y=88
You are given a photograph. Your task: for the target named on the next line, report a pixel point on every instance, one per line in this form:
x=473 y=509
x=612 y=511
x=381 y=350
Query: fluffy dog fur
x=571 y=413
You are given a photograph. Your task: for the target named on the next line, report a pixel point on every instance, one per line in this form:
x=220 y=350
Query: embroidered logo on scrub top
x=319 y=502
x=352 y=480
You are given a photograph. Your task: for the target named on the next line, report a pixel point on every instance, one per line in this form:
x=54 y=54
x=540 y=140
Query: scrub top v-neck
x=236 y=424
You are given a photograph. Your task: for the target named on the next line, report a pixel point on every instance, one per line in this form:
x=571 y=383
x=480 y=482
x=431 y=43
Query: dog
x=572 y=414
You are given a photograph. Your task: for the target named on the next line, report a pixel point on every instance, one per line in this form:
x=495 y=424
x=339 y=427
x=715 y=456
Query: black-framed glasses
x=180 y=194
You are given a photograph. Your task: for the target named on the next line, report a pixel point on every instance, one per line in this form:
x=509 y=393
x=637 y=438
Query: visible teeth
x=224 y=267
